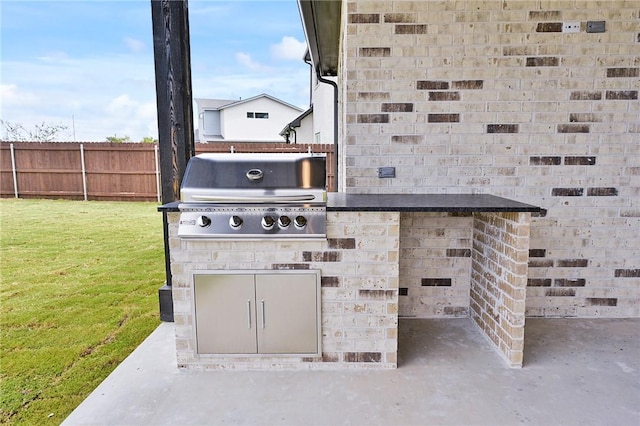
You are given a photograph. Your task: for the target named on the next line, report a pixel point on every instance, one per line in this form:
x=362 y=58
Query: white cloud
x=215 y=10
x=131 y=117
x=102 y=102
x=54 y=56
x=289 y=84
x=12 y=95
x=8 y=91
x=245 y=59
x=134 y=45
x=120 y=104
x=289 y=48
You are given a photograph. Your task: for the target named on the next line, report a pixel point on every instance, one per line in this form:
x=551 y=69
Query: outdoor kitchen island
x=361 y=277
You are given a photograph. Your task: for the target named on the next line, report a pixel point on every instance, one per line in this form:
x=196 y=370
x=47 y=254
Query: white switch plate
x=571 y=27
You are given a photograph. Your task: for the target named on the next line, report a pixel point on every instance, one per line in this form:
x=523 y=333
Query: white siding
x=237 y=126
x=304 y=133
x=211 y=123
x=323 y=101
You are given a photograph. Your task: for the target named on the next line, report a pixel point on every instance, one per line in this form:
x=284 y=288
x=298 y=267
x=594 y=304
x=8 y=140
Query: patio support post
x=170 y=23
x=156 y=161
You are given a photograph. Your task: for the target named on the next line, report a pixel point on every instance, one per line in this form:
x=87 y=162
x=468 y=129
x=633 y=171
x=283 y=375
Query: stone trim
x=622 y=95
x=567 y=192
x=627 y=273
x=502 y=128
x=435 y=282
x=443 y=118
x=537 y=61
x=574 y=128
x=549 y=27
x=364 y=18
x=580 y=161
x=623 y=72
x=432 y=85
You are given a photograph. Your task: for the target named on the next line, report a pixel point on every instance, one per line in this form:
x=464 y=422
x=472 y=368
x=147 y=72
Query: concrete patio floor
x=577 y=372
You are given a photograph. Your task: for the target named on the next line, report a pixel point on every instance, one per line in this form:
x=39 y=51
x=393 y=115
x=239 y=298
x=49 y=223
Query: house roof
x=214 y=103
x=219 y=104
x=297 y=122
x=298 y=119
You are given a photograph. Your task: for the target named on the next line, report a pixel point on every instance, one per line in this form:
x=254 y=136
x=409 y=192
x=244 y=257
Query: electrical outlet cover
x=595 y=26
x=387 y=172
x=571 y=27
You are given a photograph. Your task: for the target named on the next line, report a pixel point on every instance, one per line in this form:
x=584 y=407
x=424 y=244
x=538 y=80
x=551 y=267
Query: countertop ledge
x=425 y=203
x=413 y=203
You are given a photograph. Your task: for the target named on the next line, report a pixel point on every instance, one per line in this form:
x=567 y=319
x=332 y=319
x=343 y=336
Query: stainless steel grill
x=254 y=196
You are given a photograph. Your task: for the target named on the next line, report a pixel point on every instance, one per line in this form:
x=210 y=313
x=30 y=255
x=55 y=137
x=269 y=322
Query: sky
x=88 y=64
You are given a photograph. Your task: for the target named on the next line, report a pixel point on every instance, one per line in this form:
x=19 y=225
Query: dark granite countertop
x=425 y=203
x=338 y=201
x=169 y=207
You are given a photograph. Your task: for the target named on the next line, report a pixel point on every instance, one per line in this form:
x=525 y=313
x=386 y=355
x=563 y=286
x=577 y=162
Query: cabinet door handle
x=249 y=314
x=262 y=305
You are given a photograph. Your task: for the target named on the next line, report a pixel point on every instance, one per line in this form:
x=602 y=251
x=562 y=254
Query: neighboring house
x=492 y=97
x=256 y=119
x=315 y=125
x=323 y=102
x=300 y=130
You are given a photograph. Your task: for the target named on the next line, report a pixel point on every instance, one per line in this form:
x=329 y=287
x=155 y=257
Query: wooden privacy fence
x=108 y=171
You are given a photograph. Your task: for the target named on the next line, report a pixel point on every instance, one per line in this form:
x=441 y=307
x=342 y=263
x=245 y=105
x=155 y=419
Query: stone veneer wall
x=491 y=97
x=359 y=264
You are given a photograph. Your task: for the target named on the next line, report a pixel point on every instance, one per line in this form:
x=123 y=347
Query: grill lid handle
x=255 y=174
x=256 y=199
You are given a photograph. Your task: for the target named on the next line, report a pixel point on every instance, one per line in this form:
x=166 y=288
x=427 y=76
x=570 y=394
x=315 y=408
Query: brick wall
x=499 y=279
x=359 y=264
x=491 y=97
x=435 y=264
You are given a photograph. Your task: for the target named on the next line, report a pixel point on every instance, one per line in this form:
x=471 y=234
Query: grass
x=78 y=292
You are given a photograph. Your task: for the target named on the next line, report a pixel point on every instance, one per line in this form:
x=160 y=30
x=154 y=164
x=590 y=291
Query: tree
x=45 y=132
x=149 y=139
x=116 y=139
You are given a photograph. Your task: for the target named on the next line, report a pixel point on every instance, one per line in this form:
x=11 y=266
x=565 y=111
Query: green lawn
x=78 y=292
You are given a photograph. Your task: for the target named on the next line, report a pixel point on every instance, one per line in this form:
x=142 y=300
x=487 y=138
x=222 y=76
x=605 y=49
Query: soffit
x=321 y=20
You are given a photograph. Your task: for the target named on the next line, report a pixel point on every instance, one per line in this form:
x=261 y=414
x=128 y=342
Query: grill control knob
x=235 y=222
x=284 y=222
x=268 y=222
x=300 y=222
x=203 y=221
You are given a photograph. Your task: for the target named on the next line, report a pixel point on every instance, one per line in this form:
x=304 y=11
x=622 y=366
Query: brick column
x=499 y=278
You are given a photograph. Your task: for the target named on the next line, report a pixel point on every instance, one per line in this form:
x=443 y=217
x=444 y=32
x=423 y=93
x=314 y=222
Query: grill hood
x=234 y=177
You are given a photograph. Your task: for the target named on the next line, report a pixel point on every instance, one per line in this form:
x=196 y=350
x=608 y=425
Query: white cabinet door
x=287 y=313
x=225 y=313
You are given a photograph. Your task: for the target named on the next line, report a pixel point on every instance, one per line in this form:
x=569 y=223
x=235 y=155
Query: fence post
x=84 y=172
x=155 y=153
x=14 y=171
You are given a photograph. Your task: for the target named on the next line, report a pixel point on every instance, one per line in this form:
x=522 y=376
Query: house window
x=257 y=115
